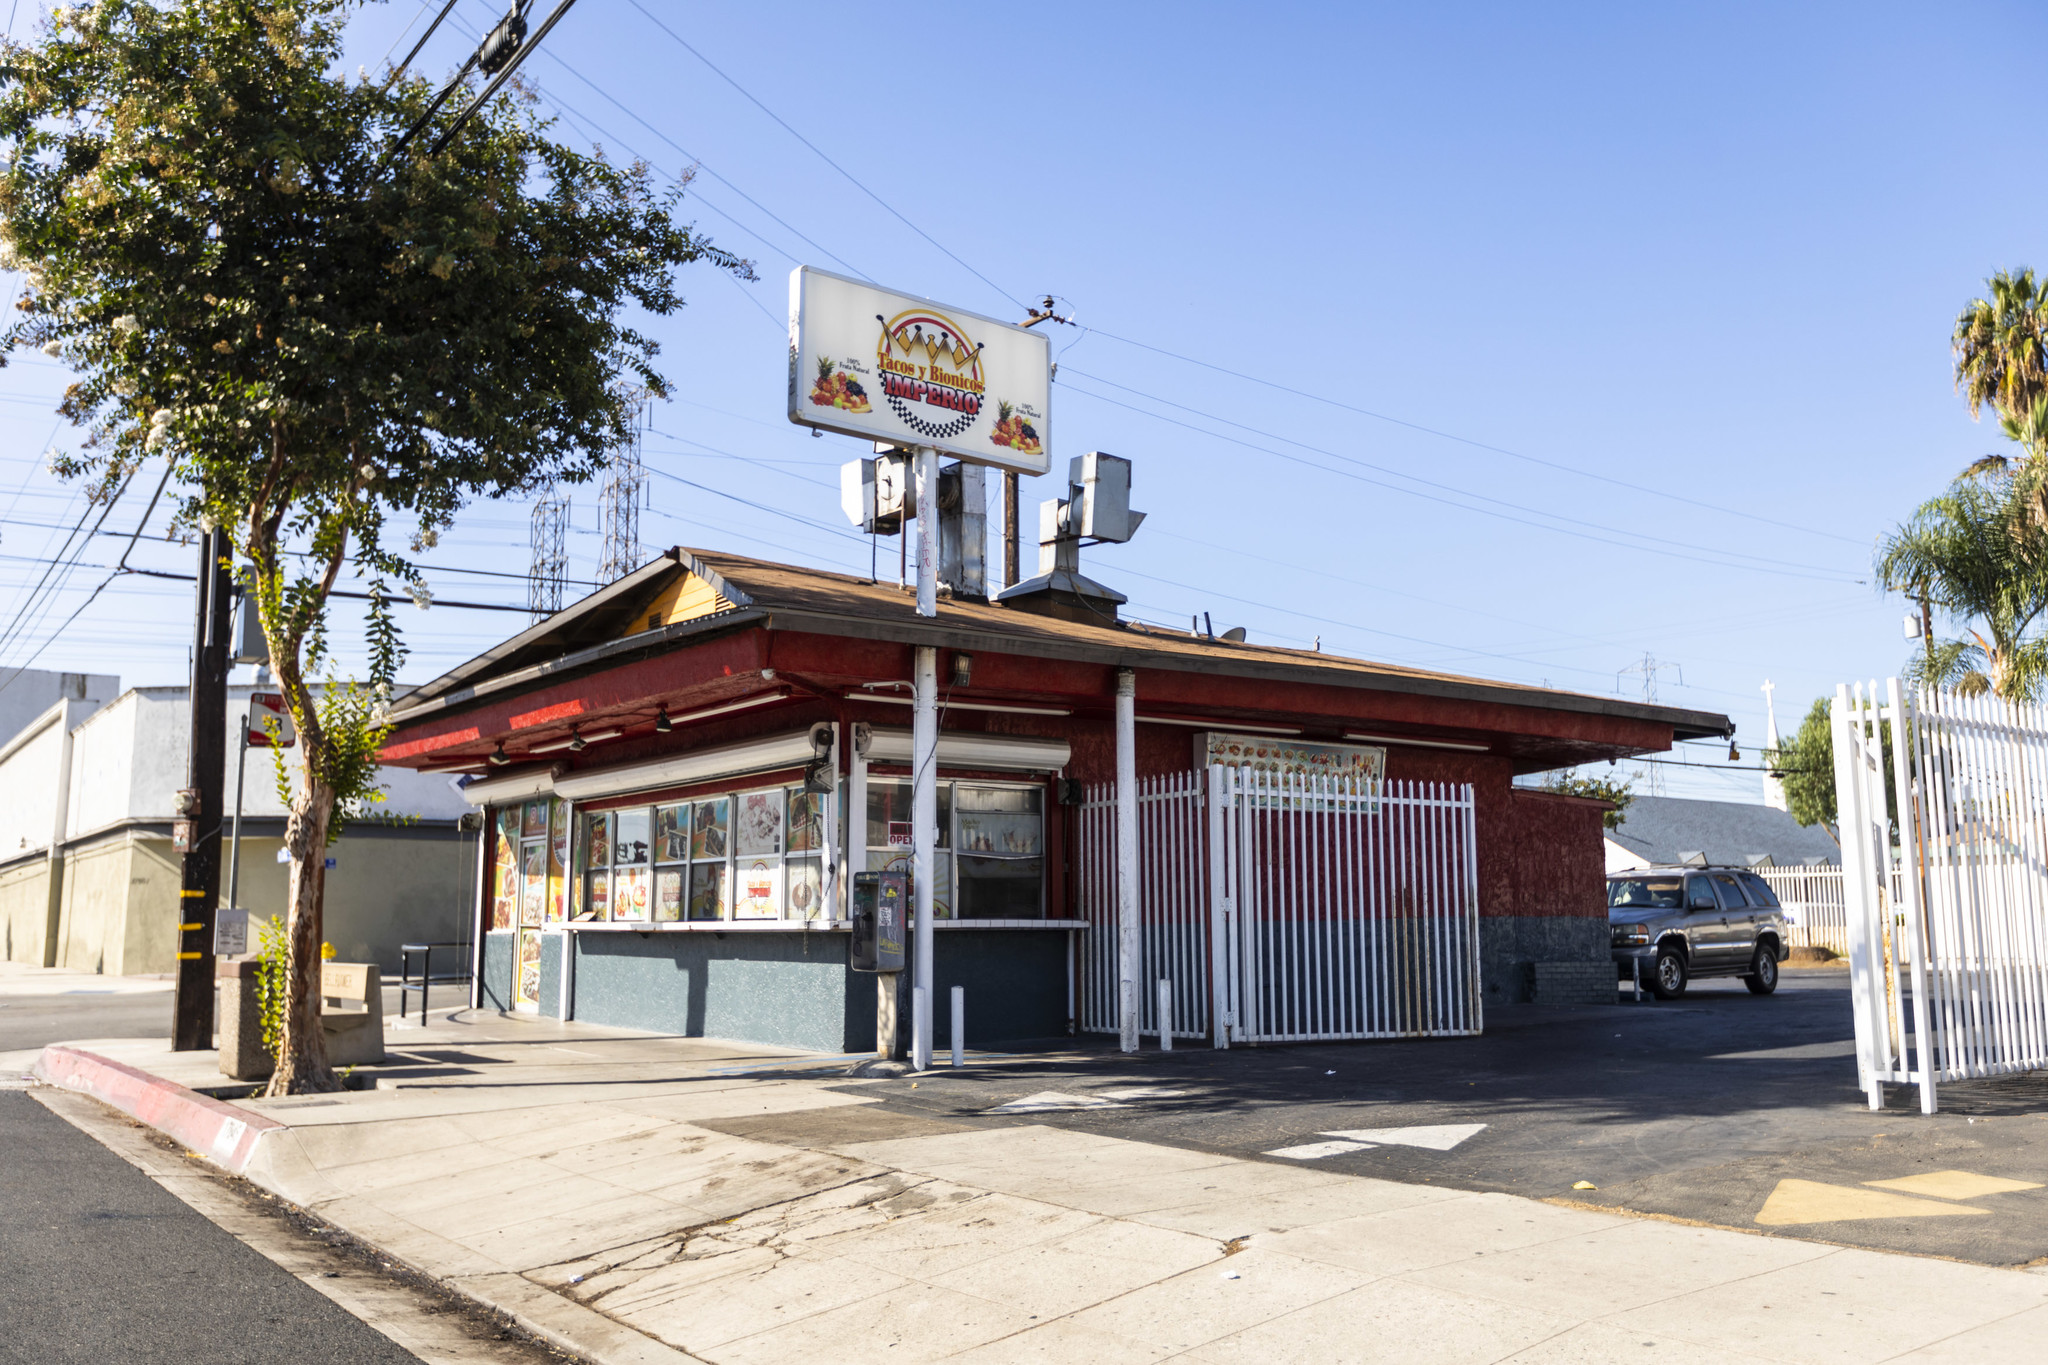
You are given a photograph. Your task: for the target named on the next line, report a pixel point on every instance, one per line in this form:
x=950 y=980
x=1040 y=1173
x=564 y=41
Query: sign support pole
x=1127 y=859
x=235 y=838
x=924 y=755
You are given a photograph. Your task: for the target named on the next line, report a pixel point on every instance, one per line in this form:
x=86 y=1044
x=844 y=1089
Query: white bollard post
x=1165 y=1015
x=959 y=1026
x=920 y=1028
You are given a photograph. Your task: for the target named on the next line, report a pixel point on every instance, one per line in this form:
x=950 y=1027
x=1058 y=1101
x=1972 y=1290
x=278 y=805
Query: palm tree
x=2001 y=350
x=1977 y=553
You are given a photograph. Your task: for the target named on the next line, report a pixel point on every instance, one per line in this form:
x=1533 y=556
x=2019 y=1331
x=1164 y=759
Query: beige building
x=88 y=878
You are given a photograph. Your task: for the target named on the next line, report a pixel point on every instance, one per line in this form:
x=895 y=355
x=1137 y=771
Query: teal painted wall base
x=795 y=989
x=497 y=973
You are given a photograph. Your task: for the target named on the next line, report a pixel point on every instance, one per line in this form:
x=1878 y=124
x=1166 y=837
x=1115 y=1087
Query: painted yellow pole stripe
x=189 y=927
x=190 y=957
x=192 y=895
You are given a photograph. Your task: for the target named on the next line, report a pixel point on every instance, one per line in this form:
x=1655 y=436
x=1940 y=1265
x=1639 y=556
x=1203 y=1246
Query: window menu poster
x=760 y=824
x=535 y=857
x=758 y=895
x=505 y=871
x=708 y=828
x=630 y=894
x=668 y=894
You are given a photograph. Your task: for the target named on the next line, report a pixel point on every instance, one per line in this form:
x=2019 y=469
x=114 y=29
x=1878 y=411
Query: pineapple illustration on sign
x=837 y=389
x=1013 y=431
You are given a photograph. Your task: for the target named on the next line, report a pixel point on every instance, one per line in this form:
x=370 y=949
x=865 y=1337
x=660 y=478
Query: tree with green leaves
x=334 y=347
x=1616 y=792
x=2001 y=356
x=1805 y=764
x=1978 y=555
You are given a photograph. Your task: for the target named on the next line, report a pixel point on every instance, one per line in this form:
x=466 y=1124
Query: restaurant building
x=682 y=772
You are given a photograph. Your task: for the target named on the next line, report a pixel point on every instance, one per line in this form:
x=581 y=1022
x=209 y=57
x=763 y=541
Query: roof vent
x=1097 y=509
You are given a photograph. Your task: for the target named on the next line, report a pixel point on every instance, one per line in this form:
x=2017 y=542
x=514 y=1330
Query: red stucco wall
x=1550 y=859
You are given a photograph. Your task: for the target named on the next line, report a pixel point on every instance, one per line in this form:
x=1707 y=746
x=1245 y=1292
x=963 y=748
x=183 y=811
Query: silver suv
x=1678 y=923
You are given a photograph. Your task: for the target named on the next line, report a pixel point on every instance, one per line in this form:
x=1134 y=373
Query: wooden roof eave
x=1685 y=724
x=646 y=641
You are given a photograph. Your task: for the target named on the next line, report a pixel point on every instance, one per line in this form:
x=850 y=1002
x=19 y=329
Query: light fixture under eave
x=1734 y=754
x=576 y=742
x=1235 y=726
x=1420 y=743
x=740 y=705
x=662 y=724
x=498 y=758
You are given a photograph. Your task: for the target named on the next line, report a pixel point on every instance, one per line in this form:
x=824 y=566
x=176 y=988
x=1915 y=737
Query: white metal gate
x=1288 y=909
x=1960 y=935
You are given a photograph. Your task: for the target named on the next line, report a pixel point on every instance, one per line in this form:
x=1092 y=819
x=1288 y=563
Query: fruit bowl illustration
x=1011 y=430
x=835 y=388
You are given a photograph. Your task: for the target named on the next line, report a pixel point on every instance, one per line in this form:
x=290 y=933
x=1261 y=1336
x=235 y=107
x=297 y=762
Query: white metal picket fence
x=1289 y=909
x=1815 y=905
x=1949 y=957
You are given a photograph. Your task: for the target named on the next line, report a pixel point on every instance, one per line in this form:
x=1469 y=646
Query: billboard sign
x=900 y=370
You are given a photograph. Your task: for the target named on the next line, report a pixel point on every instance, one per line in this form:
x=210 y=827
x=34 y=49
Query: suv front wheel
x=1669 y=981
x=1763 y=971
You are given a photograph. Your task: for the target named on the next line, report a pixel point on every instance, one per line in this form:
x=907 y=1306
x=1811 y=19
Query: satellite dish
x=1235 y=635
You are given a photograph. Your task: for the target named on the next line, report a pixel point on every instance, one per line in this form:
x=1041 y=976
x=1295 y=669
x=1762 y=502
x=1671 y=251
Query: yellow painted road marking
x=1808 y=1201
x=1954 y=1184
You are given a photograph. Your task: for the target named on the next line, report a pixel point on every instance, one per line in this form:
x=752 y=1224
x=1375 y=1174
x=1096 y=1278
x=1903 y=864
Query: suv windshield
x=1650 y=893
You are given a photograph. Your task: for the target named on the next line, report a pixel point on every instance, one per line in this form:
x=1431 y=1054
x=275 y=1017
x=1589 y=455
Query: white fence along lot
x=1288 y=909
x=1944 y=814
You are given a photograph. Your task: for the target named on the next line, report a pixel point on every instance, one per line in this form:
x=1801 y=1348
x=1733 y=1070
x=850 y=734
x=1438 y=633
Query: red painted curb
x=223 y=1134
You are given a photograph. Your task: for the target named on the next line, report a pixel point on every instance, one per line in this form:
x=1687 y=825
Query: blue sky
x=1616 y=330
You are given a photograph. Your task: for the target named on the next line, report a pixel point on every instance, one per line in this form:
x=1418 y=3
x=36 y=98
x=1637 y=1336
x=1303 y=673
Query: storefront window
x=754 y=855
x=989 y=861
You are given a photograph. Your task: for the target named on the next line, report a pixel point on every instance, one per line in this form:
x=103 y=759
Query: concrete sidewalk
x=661 y=1199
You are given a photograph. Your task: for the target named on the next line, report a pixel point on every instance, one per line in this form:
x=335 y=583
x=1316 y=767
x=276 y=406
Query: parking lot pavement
x=1721 y=1107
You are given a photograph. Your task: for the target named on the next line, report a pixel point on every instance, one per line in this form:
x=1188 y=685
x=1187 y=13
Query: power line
x=1468 y=441
x=826 y=159
x=1720 y=563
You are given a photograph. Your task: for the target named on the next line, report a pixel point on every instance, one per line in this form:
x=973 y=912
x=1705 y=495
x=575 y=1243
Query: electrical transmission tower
x=1650 y=666
x=550 y=555
x=625 y=483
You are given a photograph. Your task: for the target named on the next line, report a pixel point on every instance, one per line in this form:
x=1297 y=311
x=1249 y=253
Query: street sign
x=901 y=370
x=269 y=715
x=230 y=931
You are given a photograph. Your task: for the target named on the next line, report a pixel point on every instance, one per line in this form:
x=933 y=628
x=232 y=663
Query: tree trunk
x=302 y=1052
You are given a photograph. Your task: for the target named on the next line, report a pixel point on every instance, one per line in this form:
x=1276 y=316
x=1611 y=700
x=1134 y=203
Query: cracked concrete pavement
x=659 y=1199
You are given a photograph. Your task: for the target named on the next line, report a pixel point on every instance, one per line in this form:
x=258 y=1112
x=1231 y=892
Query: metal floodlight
x=1102 y=497
x=1912 y=626
x=876 y=494
x=250 y=646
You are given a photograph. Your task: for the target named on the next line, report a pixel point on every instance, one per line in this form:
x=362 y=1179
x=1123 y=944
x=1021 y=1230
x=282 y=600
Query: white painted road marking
x=1438 y=1137
x=1311 y=1151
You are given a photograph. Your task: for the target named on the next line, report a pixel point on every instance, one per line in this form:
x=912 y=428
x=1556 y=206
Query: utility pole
x=200 y=804
x=1011 y=578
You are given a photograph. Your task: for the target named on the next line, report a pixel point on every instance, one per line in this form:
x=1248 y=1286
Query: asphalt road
x=99 y=1263
x=1698 y=1108
x=84 y=1010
